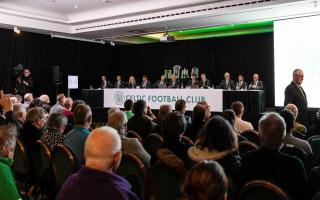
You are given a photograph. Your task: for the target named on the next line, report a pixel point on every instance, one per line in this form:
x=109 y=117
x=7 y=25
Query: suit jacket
x=159 y=85
x=231 y=85
x=286 y=171
x=193 y=85
x=121 y=85
x=131 y=86
x=243 y=85
x=148 y=85
x=204 y=84
x=292 y=94
x=259 y=86
x=107 y=85
x=176 y=84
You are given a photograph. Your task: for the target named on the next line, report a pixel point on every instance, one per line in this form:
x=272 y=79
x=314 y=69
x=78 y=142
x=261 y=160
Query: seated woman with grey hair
x=53 y=134
x=118 y=120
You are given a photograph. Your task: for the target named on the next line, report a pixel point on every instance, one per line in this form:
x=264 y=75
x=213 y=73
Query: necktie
x=301 y=90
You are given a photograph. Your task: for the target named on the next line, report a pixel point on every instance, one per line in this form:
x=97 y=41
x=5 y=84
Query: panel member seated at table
x=105 y=83
x=227 y=83
x=132 y=82
x=241 y=84
x=145 y=82
x=204 y=82
x=119 y=83
x=161 y=83
x=256 y=84
x=193 y=83
x=174 y=83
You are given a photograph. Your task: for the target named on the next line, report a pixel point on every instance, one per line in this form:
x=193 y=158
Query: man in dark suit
x=174 y=83
x=145 y=82
x=256 y=84
x=119 y=83
x=24 y=83
x=161 y=83
x=227 y=83
x=193 y=83
x=204 y=82
x=241 y=84
x=268 y=163
x=105 y=83
x=295 y=94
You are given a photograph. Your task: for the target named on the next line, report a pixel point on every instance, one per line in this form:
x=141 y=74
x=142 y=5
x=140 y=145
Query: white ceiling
x=94 y=19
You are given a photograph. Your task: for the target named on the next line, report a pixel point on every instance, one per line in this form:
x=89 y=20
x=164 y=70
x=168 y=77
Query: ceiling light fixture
x=76 y=6
x=16 y=30
x=112 y=43
x=78 y=39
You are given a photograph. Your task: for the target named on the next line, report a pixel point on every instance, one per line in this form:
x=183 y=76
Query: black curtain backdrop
x=239 y=54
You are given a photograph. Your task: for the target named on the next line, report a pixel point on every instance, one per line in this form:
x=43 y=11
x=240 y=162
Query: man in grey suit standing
x=295 y=94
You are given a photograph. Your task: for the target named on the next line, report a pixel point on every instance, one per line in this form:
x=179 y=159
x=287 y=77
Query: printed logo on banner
x=119 y=97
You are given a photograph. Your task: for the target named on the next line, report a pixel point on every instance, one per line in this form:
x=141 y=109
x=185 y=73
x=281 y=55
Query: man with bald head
x=295 y=94
x=268 y=163
x=96 y=179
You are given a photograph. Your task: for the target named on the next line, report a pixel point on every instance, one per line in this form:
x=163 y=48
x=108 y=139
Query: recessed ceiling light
x=76 y=6
x=105 y=1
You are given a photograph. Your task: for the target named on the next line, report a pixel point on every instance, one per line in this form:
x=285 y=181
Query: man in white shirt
x=240 y=125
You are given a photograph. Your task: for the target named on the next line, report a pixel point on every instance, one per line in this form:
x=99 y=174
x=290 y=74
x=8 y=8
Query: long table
x=219 y=99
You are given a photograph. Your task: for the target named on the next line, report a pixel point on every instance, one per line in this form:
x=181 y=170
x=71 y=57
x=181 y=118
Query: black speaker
x=56 y=74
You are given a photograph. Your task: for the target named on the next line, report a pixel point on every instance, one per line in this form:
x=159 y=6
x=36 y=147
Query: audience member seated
x=68 y=105
x=206 y=180
x=8 y=189
x=27 y=99
x=181 y=107
x=53 y=134
x=288 y=117
x=240 y=125
x=198 y=120
x=172 y=128
x=207 y=107
x=164 y=111
x=14 y=99
x=139 y=122
x=46 y=102
x=298 y=130
x=19 y=114
x=128 y=106
x=58 y=107
x=230 y=116
x=76 y=138
x=218 y=141
x=315 y=128
x=227 y=83
x=96 y=179
x=118 y=120
x=270 y=164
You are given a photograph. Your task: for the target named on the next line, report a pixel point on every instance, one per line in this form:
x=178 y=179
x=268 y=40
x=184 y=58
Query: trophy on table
x=167 y=74
x=184 y=73
x=195 y=71
x=176 y=70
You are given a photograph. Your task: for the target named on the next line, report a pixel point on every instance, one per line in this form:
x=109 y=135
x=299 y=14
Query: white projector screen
x=297 y=45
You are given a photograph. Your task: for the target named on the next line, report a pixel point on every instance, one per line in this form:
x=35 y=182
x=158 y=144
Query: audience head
x=217 y=134
x=207 y=107
x=298 y=76
x=203 y=77
x=272 y=129
x=68 y=103
x=37 y=116
x=28 y=97
x=199 y=114
x=181 y=106
x=57 y=121
x=76 y=103
x=60 y=98
x=118 y=120
x=230 y=116
x=288 y=117
x=165 y=109
x=82 y=116
x=36 y=103
x=7 y=141
x=255 y=77
x=19 y=112
x=139 y=107
x=226 y=76
x=238 y=108
x=45 y=98
x=293 y=108
x=14 y=99
x=173 y=126
x=102 y=149
x=206 y=181
x=128 y=105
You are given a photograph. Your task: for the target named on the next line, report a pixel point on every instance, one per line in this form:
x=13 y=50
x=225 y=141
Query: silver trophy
x=168 y=73
x=176 y=70
x=184 y=73
x=195 y=71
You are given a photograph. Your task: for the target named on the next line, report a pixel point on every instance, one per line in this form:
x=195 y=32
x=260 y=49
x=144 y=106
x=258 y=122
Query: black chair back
x=21 y=162
x=63 y=164
x=41 y=157
x=262 y=190
x=133 y=169
x=152 y=142
x=294 y=151
x=246 y=147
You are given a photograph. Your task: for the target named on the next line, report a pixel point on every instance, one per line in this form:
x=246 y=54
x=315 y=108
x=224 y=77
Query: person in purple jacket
x=96 y=179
